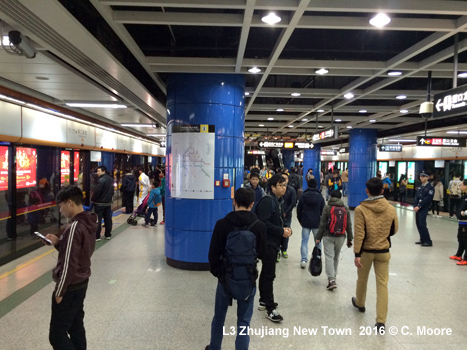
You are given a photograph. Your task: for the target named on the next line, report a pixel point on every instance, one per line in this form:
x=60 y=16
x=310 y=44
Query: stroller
x=140 y=211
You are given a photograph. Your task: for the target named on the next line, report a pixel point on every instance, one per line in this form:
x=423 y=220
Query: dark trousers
x=103 y=211
x=127 y=199
x=403 y=197
x=267 y=276
x=420 y=220
x=435 y=206
x=454 y=202
x=151 y=211
x=66 y=323
x=462 y=240
x=285 y=240
x=163 y=208
x=387 y=191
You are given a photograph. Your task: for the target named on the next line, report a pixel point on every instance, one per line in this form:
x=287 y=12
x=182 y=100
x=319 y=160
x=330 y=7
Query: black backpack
x=239 y=263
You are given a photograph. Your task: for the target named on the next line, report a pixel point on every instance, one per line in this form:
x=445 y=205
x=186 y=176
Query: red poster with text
x=65 y=167
x=76 y=167
x=26 y=159
x=3 y=168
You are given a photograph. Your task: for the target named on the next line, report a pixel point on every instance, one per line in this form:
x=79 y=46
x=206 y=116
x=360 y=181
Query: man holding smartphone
x=75 y=247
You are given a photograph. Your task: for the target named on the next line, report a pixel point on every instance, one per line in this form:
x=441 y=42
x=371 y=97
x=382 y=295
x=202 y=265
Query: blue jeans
x=345 y=188
x=244 y=313
x=305 y=237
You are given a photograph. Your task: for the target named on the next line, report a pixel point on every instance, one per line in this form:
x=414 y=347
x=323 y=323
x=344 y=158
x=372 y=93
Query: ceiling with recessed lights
x=322 y=63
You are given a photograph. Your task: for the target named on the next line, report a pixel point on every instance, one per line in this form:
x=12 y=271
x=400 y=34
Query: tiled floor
x=135 y=301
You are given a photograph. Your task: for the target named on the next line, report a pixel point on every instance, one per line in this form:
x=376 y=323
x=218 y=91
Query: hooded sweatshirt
x=74 y=252
x=224 y=227
x=310 y=207
x=323 y=231
x=375 y=221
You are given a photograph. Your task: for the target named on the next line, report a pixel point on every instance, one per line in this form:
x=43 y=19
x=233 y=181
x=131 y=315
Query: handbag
x=316 y=265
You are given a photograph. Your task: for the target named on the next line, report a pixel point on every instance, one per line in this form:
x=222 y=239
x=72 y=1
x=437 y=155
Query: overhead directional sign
x=451 y=102
x=343 y=150
x=329 y=153
x=390 y=148
x=257 y=152
x=288 y=145
x=440 y=141
x=330 y=133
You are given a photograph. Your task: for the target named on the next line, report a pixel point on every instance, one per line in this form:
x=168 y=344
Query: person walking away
x=239 y=226
x=143 y=180
x=462 y=229
x=309 y=209
x=454 y=195
x=438 y=196
x=375 y=223
x=345 y=182
x=295 y=181
x=422 y=202
x=334 y=227
x=290 y=200
x=162 y=189
x=270 y=211
x=128 y=191
x=253 y=183
x=403 y=190
x=71 y=274
x=102 y=199
x=387 y=185
x=154 y=201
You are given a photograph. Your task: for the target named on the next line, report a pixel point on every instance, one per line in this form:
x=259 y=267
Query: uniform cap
x=424 y=174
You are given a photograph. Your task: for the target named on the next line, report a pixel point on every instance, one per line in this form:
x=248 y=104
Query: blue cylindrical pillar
x=362 y=163
x=312 y=160
x=288 y=158
x=215 y=102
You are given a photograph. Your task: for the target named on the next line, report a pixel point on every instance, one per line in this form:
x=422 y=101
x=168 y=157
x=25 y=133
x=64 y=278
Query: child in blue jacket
x=154 y=201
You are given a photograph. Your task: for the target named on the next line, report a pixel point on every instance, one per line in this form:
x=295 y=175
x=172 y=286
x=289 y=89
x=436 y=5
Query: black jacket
x=310 y=208
x=290 y=200
x=224 y=227
x=104 y=190
x=128 y=183
x=270 y=211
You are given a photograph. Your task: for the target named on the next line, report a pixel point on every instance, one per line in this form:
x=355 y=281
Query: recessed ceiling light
x=338 y=120
x=304 y=120
x=295 y=94
x=322 y=71
x=456 y=132
x=280 y=110
x=247 y=94
x=400 y=140
x=362 y=111
x=254 y=70
x=349 y=127
x=349 y=95
x=137 y=125
x=270 y=118
x=462 y=75
x=404 y=111
x=394 y=73
x=380 y=20
x=320 y=127
x=261 y=125
x=95 y=105
x=320 y=110
x=271 y=18
x=42 y=78
x=290 y=126
x=401 y=97
x=372 y=121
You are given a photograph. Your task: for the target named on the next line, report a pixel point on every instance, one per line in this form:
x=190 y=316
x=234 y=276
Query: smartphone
x=40 y=235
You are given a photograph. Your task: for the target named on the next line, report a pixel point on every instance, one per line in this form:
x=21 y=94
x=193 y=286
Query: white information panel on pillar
x=193 y=161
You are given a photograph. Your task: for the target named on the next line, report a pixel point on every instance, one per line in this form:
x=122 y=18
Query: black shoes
x=426 y=244
x=360 y=308
x=380 y=327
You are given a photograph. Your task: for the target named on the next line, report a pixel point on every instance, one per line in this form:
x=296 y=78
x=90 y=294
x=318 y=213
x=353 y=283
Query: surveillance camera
x=21 y=44
x=426 y=110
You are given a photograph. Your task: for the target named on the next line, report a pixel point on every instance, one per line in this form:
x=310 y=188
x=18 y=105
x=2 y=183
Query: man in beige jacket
x=375 y=222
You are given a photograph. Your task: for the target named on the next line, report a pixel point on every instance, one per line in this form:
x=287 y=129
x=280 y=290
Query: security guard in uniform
x=422 y=203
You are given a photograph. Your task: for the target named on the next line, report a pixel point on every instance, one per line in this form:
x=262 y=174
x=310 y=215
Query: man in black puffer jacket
x=102 y=199
x=309 y=211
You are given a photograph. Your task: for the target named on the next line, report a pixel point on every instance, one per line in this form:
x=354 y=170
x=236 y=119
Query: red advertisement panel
x=65 y=167
x=26 y=159
x=76 y=169
x=3 y=168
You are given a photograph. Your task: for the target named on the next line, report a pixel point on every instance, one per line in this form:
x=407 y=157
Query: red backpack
x=337 y=222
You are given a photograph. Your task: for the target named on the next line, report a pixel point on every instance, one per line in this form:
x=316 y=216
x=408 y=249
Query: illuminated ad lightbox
x=3 y=168
x=76 y=167
x=65 y=167
x=26 y=161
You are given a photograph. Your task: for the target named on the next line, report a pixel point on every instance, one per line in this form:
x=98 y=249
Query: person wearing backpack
x=454 y=195
x=238 y=226
x=335 y=223
x=270 y=211
x=154 y=201
x=375 y=223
